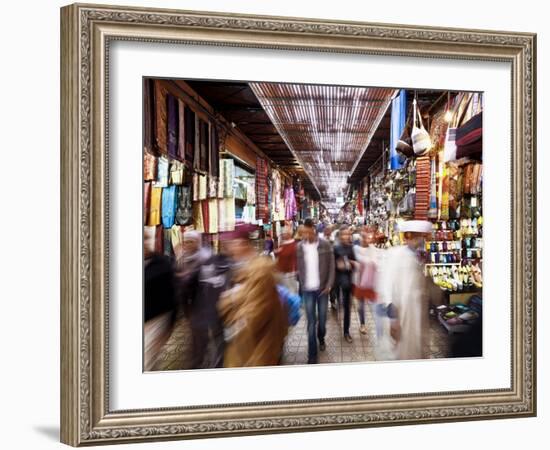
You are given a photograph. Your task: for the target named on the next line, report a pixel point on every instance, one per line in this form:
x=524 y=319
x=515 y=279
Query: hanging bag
x=462 y=104
x=404 y=144
x=469 y=135
x=420 y=137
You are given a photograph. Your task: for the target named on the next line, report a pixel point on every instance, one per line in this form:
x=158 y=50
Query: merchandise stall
x=199 y=175
x=441 y=183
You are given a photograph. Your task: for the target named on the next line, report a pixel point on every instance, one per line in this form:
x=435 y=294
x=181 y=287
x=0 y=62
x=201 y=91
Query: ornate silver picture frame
x=87 y=31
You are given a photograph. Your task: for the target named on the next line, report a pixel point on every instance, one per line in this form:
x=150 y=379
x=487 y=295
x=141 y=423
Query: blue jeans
x=316 y=312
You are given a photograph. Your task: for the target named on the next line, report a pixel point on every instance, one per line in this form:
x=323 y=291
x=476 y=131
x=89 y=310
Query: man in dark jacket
x=209 y=281
x=316 y=276
x=345 y=261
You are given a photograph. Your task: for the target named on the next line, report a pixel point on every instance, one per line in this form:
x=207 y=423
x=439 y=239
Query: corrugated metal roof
x=327 y=128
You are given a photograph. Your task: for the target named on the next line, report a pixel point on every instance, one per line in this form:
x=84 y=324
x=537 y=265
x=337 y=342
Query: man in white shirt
x=316 y=276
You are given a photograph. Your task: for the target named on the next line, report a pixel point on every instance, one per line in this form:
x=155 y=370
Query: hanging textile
x=250 y=194
x=212 y=187
x=162 y=172
x=198 y=219
x=154 y=206
x=261 y=188
x=160 y=118
x=167 y=243
x=197 y=142
x=203 y=145
x=212 y=225
x=149 y=166
x=203 y=187
x=176 y=237
x=181 y=131
x=149 y=234
x=177 y=171
x=226 y=214
x=360 y=201
x=159 y=239
x=205 y=215
x=228 y=177
x=146 y=200
x=275 y=195
x=184 y=212
x=249 y=214
x=432 y=212
x=148 y=115
x=290 y=203
x=213 y=164
x=422 y=188
x=172 y=125
x=169 y=205
x=398 y=119
x=444 y=193
x=454 y=196
x=189 y=135
x=240 y=190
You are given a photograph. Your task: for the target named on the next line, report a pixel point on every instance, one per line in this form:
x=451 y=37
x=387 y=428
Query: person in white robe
x=404 y=287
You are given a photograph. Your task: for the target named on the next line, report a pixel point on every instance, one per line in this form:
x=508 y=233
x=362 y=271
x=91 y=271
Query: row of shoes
x=456 y=278
x=469 y=227
x=442 y=246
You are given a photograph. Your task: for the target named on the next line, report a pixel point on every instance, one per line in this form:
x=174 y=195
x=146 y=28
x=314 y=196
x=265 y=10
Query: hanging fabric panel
x=398 y=119
x=172 y=121
x=181 y=131
x=167 y=242
x=189 y=135
x=184 y=213
x=203 y=145
x=146 y=200
x=162 y=172
x=159 y=239
x=422 y=188
x=148 y=115
x=149 y=166
x=169 y=205
x=226 y=214
x=198 y=220
x=214 y=152
x=160 y=118
x=154 y=206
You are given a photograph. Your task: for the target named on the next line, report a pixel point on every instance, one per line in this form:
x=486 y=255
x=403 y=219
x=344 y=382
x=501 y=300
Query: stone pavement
x=175 y=354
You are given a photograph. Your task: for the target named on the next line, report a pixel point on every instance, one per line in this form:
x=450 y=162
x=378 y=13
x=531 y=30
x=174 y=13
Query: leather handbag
x=421 y=140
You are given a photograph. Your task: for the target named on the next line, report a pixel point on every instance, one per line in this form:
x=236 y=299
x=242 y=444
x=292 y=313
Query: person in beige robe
x=254 y=318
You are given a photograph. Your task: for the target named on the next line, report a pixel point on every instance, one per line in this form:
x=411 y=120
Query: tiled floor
x=175 y=354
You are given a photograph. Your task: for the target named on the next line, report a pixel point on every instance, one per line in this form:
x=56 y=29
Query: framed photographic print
x=281 y=224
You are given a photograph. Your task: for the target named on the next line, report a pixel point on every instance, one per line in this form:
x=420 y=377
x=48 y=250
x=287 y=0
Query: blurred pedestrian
x=365 y=289
x=286 y=260
x=210 y=279
x=254 y=317
x=345 y=264
x=190 y=255
x=403 y=286
x=159 y=300
x=316 y=277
